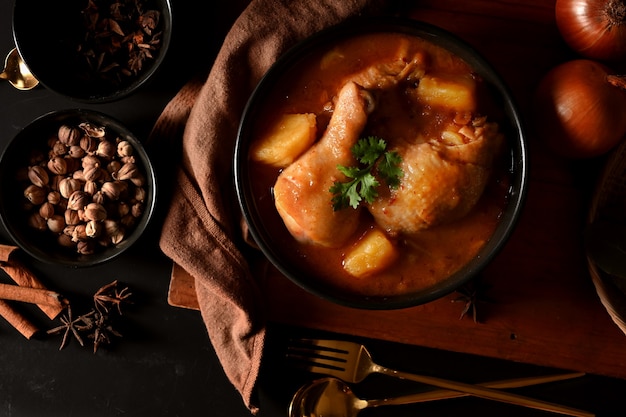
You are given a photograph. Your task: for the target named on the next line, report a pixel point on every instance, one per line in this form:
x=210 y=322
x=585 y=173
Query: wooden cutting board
x=544 y=309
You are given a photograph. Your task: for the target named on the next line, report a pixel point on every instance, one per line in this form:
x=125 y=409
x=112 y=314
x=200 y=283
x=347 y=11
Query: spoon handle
x=488 y=393
x=444 y=394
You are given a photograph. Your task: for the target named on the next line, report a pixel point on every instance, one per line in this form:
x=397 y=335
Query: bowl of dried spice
x=77 y=188
x=92 y=51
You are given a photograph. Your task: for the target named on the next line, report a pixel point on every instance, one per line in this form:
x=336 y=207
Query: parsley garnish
x=373 y=159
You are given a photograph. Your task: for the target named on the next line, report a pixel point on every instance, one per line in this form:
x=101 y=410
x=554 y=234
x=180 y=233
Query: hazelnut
x=128 y=160
x=78 y=200
x=85 y=247
x=65 y=241
x=69 y=135
x=128 y=221
x=95 y=211
x=88 y=144
x=78 y=175
x=72 y=218
x=90 y=160
x=124 y=148
x=106 y=150
x=46 y=210
x=114 y=190
x=36 y=195
x=92 y=130
x=93 y=228
x=137 y=210
x=91 y=187
x=117 y=238
x=76 y=152
x=59 y=148
x=140 y=194
x=98 y=197
x=126 y=172
x=114 y=231
x=113 y=167
x=56 y=223
x=111 y=226
x=139 y=180
x=57 y=165
x=79 y=233
x=92 y=173
x=54 y=197
x=123 y=209
x=67 y=186
x=37 y=222
x=38 y=176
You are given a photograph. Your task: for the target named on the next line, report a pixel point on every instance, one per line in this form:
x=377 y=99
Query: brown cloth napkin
x=201 y=232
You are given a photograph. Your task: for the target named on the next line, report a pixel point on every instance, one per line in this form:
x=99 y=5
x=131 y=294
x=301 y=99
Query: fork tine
x=316 y=354
x=319 y=356
x=323 y=361
x=308 y=353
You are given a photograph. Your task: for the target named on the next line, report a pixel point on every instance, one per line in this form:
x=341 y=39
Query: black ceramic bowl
x=91 y=64
x=31 y=147
x=265 y=232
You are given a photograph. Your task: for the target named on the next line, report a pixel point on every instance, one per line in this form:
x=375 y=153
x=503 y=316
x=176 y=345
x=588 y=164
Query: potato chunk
x=373 y=253
x=455 y=92
x=287 y=140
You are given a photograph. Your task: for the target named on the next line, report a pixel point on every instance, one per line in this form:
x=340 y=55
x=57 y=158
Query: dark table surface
x=164 y=364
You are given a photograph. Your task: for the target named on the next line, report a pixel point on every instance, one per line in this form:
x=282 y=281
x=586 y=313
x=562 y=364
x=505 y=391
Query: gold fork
x=352 y=362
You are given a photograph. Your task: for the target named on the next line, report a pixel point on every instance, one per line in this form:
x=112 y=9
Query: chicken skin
x=301 y=191
x=442 y=182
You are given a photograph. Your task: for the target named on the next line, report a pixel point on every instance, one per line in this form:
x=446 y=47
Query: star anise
x=120 y=37
x=72 y=325
x=102 y=331
x=97 y=324
x=471 y=294
x=111 y=295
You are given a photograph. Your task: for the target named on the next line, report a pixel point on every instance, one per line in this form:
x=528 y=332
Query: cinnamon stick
x=23 y=277
x=17 y=320
x=39 y=296
x=6 y=251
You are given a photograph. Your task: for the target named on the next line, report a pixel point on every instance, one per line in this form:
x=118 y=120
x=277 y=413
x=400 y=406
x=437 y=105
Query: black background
x=164 y=365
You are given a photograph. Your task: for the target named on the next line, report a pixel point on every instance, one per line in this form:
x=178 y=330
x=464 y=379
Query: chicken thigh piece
x=301 y=191
x=442 y=182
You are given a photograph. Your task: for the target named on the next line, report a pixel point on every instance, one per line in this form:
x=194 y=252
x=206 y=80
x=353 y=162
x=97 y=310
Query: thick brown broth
x=426 y=257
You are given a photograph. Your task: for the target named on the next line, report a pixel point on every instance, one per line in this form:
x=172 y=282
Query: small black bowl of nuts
x=92 y=51
x=76 y=188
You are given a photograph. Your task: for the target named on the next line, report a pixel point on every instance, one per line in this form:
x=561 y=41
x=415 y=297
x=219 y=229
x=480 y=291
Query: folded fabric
x=201 y=231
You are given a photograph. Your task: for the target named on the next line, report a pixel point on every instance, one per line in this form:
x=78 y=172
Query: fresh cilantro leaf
x=389 y=169
x=372 y=157
x=369 y=149
x=368 y=187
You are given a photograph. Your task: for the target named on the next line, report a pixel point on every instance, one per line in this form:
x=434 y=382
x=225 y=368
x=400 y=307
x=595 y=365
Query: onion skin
x=577 y=112
x=595 y=29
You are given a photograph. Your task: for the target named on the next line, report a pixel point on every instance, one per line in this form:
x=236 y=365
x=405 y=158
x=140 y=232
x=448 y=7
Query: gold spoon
x=331 y=397
x=17 y=73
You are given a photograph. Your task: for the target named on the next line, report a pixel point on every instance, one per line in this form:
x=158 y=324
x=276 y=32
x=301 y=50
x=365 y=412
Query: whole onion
x=579 y=109
x=595 y=29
